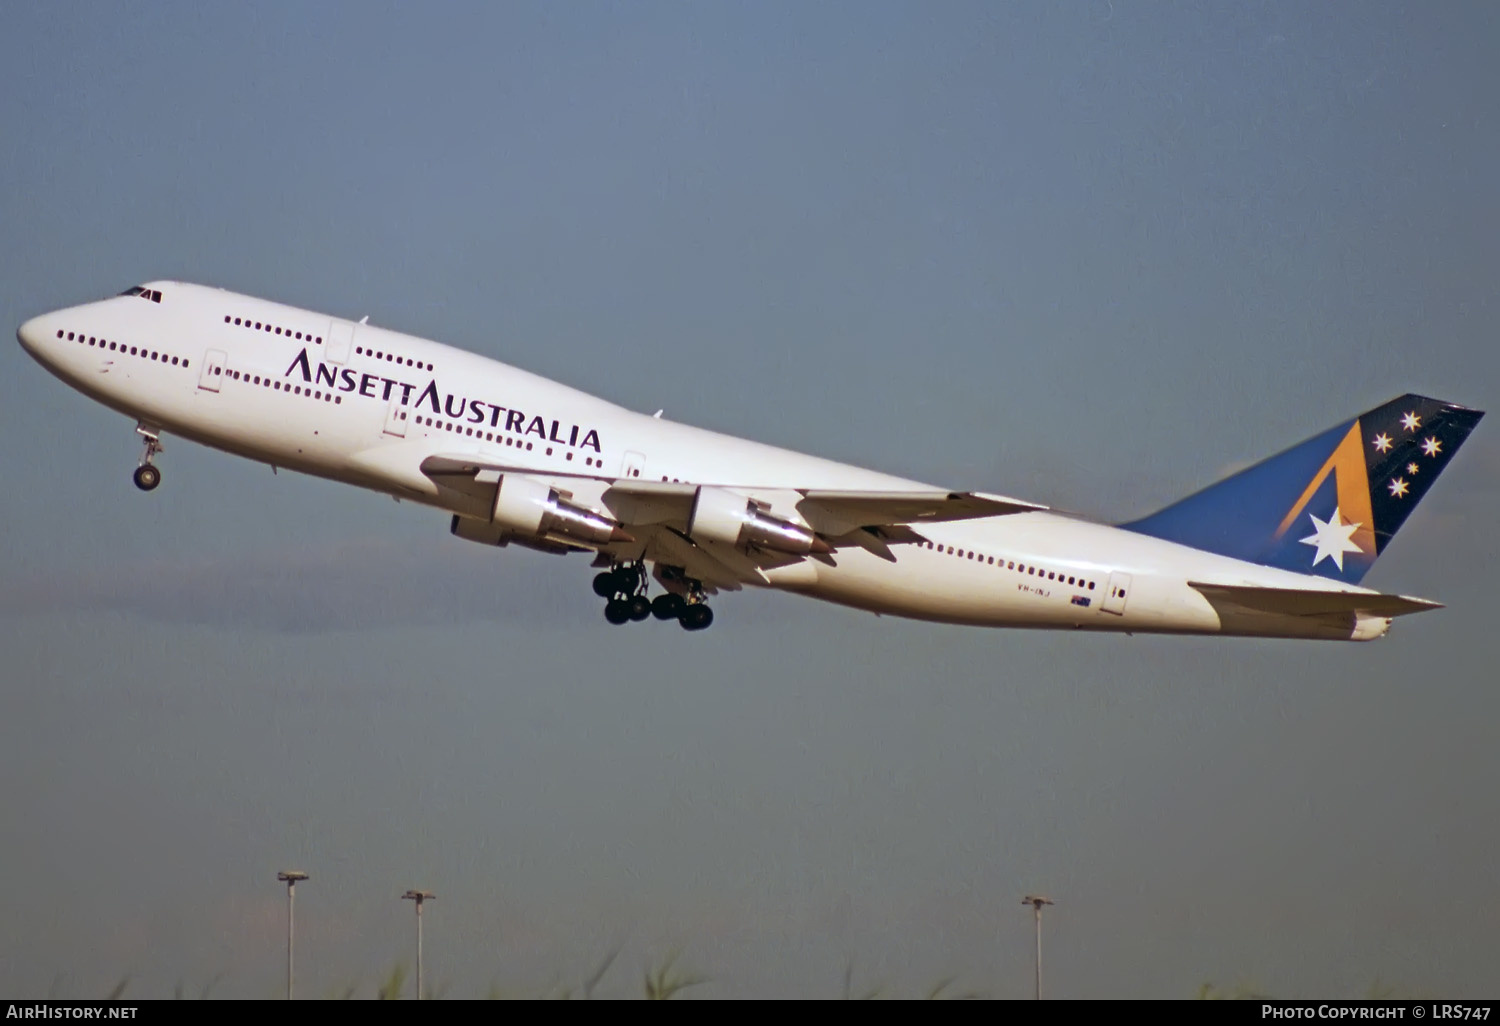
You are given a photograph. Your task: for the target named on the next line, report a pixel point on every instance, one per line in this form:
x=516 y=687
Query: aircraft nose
x=30 y=335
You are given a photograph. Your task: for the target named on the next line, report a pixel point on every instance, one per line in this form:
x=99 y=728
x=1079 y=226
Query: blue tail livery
x=1330 y=505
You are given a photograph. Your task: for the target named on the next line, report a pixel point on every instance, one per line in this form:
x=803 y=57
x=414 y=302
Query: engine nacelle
x=489 y=534
x=477 y=531
x=722 y=516
x=534 y=509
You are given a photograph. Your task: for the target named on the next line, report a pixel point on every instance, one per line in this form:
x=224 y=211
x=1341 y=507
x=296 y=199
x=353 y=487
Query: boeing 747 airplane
x=515 y=459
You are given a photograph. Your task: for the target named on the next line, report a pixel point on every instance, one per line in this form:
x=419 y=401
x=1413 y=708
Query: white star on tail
x=1332 y=539
x=1412 y=468
x=1382 y=441
x=1398 y=489
x=1410 y=421
x=1432 y=446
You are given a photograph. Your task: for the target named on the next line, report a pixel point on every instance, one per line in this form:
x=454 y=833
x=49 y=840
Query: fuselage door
x=634 y=465
x=1117 y=591
x=213 y=370
x=340 y=342
x=395 y=418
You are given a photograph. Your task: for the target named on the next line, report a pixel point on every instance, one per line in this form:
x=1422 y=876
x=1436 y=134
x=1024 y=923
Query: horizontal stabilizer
x=1297 y=602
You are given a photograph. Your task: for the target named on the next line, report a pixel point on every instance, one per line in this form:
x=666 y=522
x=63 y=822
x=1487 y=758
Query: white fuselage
x=362 y=405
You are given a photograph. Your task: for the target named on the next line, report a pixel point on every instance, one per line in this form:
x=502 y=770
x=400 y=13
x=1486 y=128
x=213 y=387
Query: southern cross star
x=1412 y=468
x=1410 y=421
x=1332 y=537
x=1432 y=446
x=1398 y=488
x=1382 y=441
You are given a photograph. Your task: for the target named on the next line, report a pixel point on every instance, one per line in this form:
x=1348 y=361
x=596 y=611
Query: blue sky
x=1090 y=254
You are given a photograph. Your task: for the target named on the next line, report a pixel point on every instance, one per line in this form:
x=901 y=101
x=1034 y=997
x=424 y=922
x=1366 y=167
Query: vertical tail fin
x=1330 y=505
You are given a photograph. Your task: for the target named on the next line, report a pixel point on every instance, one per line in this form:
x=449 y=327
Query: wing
x=837 y=513
x=870 y=520
x=831 y=514
x=658 y=517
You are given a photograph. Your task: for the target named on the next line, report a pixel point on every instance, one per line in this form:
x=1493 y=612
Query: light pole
x=1036 y=903
x=418 y=897
x=290 y=878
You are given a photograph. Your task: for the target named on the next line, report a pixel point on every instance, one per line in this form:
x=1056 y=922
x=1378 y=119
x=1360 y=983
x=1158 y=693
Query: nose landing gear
x=147 y=476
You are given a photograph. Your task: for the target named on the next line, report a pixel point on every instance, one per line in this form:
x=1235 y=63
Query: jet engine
x=722 y=516
x=488 y=534
x=532 y=508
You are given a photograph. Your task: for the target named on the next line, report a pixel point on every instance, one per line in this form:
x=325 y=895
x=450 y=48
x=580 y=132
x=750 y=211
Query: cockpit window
x=140 y=290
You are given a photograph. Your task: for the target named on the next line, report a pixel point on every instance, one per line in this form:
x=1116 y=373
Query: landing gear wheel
x=640 y=608
x=147 y=477
x=617 y=612
x=630 y=579
x=697 y=617
x=605 y=585
x=668 y=607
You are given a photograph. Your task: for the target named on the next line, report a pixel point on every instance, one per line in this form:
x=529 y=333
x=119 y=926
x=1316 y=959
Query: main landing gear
x=147 y=476
x=624 y=587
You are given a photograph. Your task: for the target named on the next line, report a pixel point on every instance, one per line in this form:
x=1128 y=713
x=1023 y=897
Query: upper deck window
x=140 y=290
